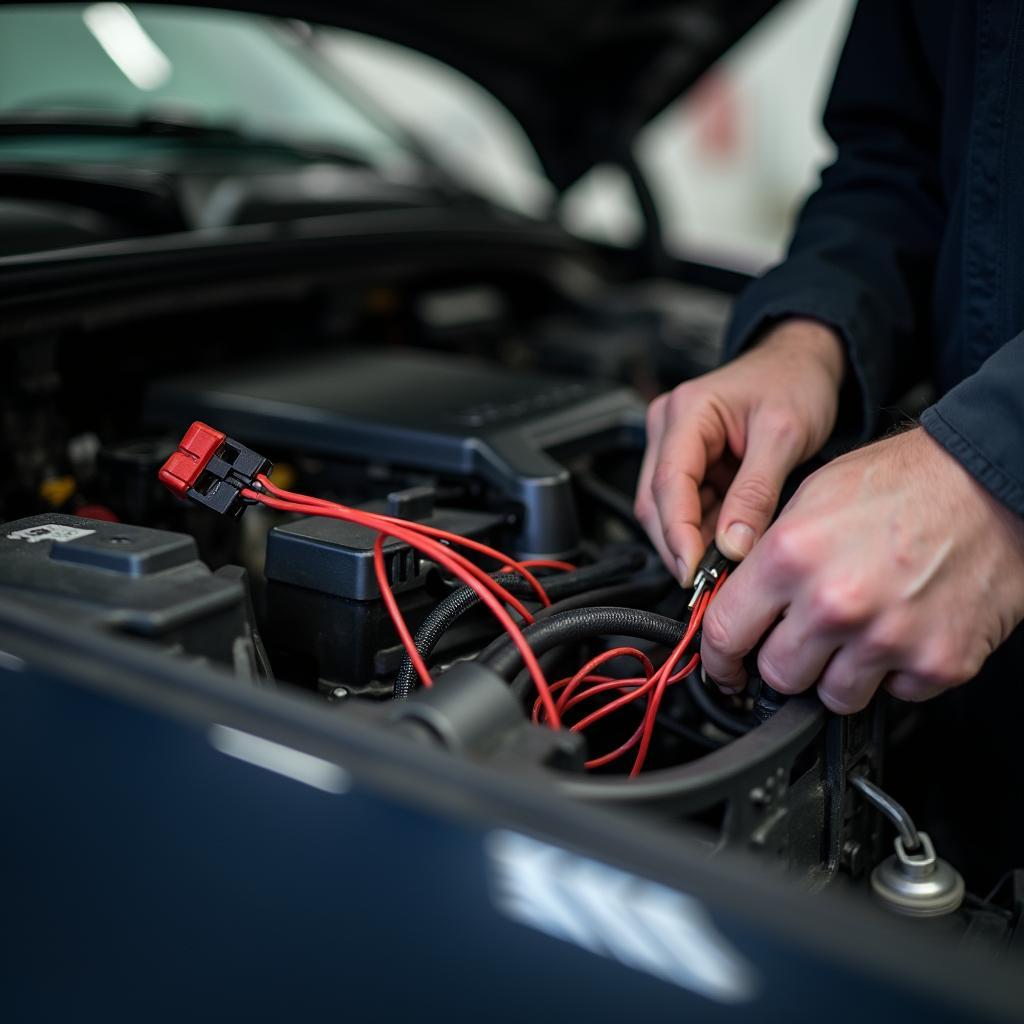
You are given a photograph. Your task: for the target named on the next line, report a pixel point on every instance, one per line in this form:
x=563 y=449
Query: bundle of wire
x=440 y=547
x=586 y=684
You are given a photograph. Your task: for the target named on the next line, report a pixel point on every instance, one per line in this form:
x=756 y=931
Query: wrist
x=806 y=339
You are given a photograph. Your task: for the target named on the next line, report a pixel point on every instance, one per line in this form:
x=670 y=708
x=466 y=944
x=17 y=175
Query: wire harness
x=225 y=476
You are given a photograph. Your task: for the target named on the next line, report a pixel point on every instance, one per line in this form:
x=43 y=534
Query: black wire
x=643 y=590
x=707 y=706
x=687 y=732
x=463 y=599
x=578 y=624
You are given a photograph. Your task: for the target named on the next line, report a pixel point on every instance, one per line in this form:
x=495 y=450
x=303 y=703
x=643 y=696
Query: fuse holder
x=213 y=469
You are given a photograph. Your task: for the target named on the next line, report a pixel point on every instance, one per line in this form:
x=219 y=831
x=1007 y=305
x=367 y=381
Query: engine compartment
x=466 y=423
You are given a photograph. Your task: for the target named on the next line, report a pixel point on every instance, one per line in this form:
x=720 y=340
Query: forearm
x=863 y=254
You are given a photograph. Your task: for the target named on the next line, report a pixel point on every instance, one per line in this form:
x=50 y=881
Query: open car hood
x=581 y=76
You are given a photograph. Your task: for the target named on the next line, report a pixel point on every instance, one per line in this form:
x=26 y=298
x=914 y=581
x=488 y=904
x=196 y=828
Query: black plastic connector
x=213 y=469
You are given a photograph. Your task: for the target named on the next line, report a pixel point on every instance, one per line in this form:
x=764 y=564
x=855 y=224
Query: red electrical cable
x=448 y=559
x=584 y=685
x=696 y=618
x=597 y=662
x=521 y=568
x=614 y=755
x=398 y=528
x=569 y=684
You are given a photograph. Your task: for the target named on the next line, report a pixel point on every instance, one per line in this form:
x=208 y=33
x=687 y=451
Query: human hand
x=889 y=564
x=720 y=446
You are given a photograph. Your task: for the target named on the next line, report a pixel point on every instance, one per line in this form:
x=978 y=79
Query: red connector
x=196 y=448
x=213 y=469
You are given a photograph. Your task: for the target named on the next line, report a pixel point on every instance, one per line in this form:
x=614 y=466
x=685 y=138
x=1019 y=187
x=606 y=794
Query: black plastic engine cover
x=440 y=413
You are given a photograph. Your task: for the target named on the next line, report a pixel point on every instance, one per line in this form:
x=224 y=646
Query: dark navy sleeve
x=863 y=255
x=980 y=422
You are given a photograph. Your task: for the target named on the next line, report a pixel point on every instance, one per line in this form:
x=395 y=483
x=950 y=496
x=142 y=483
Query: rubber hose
x=719 y=716
x=444 y=615
x=631 y=591
x=583 y=624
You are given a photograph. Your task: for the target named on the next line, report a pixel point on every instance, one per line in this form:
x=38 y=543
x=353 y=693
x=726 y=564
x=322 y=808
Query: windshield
x=246 y=72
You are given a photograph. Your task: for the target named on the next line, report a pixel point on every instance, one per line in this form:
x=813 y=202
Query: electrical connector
x=212 y=469
x=711 y=567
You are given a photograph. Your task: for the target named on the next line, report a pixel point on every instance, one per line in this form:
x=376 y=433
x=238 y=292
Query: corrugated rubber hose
x=463 y=599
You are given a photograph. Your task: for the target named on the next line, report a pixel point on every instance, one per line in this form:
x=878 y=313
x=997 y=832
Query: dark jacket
x=913 y=250
x=913 y=246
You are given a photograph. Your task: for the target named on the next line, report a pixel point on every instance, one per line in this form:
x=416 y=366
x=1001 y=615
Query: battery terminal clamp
x=213 y=469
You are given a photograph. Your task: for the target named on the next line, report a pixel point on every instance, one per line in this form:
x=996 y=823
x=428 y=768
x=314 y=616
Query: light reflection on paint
x=275 y=757
x=612 y=913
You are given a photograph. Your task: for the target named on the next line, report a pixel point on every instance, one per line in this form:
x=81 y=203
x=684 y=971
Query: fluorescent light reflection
x=128 y=45
x=282 y=760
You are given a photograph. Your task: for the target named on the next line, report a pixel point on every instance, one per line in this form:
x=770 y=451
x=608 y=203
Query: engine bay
x=455 y=444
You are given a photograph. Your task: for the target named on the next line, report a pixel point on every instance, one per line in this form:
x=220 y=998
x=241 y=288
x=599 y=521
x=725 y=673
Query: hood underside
x=581 y=76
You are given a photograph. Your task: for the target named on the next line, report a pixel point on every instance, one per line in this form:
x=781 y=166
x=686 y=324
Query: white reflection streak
x=128 y=45
x=275 y=757
x=610 y=912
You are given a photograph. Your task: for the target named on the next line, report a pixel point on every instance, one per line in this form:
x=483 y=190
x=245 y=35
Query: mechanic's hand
x=890 y=563
x=720 y=447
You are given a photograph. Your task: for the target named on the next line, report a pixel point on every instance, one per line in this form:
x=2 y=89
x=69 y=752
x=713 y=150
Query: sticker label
x=49 y=531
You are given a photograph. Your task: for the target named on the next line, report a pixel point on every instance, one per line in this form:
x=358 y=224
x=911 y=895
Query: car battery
x=145 y=583
x=325 y=612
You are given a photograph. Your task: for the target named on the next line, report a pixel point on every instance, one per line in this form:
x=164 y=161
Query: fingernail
x=684 y=572
x=728 y=691
x=740 y=539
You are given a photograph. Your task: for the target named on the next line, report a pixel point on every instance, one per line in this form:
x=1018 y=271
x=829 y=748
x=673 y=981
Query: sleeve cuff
x=861 y=395
x=1004 y=487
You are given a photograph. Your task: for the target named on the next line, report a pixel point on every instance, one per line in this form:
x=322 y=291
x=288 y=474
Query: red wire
x=597 y=662
x=569 y=684
x=373 y=521
x=598 y=762
x=451 y=560
x=436 y=544
x=383 y=584
x=430 y=531
x=696 y=618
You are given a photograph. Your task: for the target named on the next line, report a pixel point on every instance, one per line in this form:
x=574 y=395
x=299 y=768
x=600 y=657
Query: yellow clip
x=57 y=490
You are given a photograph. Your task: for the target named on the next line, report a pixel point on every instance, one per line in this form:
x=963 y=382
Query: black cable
x=718 y=716
x=578 y=624
x=687 y=732
x=638 y=591
x=441 y=618
x=564 y=585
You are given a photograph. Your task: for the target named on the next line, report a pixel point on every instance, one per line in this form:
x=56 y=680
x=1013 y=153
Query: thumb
x=750 y=503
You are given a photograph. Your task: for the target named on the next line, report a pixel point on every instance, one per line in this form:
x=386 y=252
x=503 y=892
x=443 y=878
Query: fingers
x=795 y=654
x=743 y=611
x=773 y=450
x=908 y=687
x=681 y=440
x=644 y=507
x=693 y=438
x=850 y=681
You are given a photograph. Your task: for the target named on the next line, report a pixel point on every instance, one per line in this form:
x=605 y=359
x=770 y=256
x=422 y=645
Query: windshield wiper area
x=21 y=123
